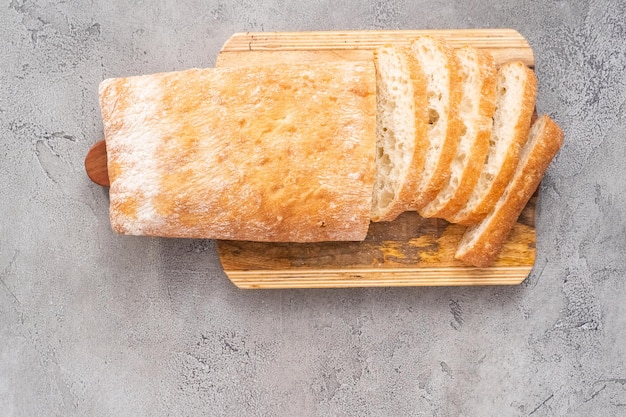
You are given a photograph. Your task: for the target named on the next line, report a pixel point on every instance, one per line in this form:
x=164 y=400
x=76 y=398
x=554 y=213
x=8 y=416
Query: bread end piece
x=482 y=243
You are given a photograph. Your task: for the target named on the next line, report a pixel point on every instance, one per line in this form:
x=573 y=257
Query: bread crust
x=281 y=153
x=429 y=188
x=403 y=200
x=481 y=243
x=472 y=215
x=475 y=159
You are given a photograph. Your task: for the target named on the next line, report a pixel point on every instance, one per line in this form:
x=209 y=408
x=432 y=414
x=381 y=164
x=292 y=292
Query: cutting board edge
x=372 y=277
x=252 y=41
x=358 y=41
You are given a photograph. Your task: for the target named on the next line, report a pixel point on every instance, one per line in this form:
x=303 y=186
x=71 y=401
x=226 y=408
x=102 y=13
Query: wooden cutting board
x=410 y=251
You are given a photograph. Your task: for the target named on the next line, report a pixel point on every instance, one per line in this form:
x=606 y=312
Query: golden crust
x=441 y=173
x=480 y=146
x=270 y=153
x=404 y=198
x=498 y=184
x=481 y=243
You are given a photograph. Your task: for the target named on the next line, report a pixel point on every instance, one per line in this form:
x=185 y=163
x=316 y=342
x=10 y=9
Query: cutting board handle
x=96 y=164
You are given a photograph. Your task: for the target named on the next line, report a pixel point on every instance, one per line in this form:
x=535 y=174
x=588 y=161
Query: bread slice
x=278 y=153
x=401 y=120
x=481 y=243
x=443 y=86
x=478 y=77
x=515 y=101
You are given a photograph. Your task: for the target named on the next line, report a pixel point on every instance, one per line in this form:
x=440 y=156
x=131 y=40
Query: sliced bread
x=401 y=120
x=481 y=243
x=478 y=78
x=515 y=101
x=443 y=87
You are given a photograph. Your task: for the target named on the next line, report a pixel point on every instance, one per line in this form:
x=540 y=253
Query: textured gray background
x=94 y=324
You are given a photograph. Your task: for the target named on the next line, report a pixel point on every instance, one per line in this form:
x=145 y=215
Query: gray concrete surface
x=94 y=324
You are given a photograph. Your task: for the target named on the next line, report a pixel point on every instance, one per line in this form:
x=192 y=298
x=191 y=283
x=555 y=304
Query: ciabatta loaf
x=515 y=101
x=268 y=153
x=481 y=243
x=401 y=119
x=478 y=79
x=443 y=88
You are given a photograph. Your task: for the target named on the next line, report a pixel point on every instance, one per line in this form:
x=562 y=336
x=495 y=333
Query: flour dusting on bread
x=266 y=153
x=139 y=178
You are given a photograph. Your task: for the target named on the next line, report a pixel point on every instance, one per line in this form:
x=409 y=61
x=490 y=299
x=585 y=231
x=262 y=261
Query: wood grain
x=410 y=251
x=253 y=48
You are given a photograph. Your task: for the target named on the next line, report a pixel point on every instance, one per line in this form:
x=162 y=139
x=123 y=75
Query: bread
x=268 y=153
x=401 y=120
x=515 y=100
x=443 y=88
x=481 y=243
x=478 y=79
